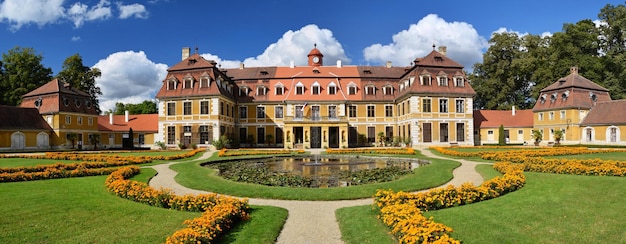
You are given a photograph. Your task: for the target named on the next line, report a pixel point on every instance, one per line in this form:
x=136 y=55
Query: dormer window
x=425 y=80
x=565 y=95
x=188 y=84
x=66 y=101
x=542 y=99
x=243 y=91
x=204 y=82
x=411 y=80
x=553 y=97
x=315 y=88
x=332 y=88
x=401 y=87
x=352 y=90
x=171 y=84
x=261 y=90
x=370 y=90
x=388 y=90
x=77 y=102
x=459 y=82
x=299 y=88
x=443 y=81
x=279 y=90
x=593 y=96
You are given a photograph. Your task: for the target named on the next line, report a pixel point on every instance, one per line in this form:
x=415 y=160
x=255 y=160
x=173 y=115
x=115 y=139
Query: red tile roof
x=572 y=91
x=606 y=113
x=495 y=118
x=57 y=96
x=138 y=122
x=16 y=118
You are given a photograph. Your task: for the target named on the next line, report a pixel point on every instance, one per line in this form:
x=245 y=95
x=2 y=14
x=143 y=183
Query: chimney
x=573 y=70
x=126 y=116
x=292 y=64
x=338 y=63
x=388 y=65
x=186 y=51
x=513 y=111
x=111 y=118
x=443 y=49
x=241 y=66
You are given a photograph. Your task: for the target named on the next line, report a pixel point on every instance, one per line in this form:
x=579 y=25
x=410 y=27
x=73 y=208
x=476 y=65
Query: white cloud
x=292 y=46
x=19 y=13
x=75 y=38
x=22 y=12
x=128 y=77
x=134 y=10
x=463 y=42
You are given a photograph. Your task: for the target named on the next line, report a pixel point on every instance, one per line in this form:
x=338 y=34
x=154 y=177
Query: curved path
x=310 y=221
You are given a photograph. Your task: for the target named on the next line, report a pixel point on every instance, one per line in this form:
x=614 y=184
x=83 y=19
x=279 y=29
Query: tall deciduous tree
x=613 y=44
x=21 y=71
x=146 y=107
x=81 y=77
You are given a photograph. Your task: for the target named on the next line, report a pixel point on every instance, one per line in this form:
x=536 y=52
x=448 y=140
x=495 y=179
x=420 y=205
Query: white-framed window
x=244 y=90
x=425 y=80
x=540 y=116
x=562 y=114
x=243 y=112
x=352 y=90
x=68 y=119
x=171 y=108
x=388 y=90
x=90 y=121
x=261 y=90
x=279 y=90
x=79 y=120
x=260 y=112
x=278 y=112
x=188 y=83
x=459 y=81
x=205 y=82
x=299 y=89
x=352 y=111
x=371 y=111
x=388 y=110
x=460 y=105
x=443 y=105
x=551 y=115
x=443 y=80
x=186 y=108
x=332 y=88
x=299 y=111
x=332 y=111
x=171 y=84
x=315 y=88
x=370 y=90
x=204 y=107
x=426 y=105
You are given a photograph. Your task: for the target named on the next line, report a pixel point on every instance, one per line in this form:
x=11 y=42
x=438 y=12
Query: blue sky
x=133 y=42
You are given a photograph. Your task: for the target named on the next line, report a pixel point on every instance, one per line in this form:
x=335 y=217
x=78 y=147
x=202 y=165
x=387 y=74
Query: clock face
x=316 y=59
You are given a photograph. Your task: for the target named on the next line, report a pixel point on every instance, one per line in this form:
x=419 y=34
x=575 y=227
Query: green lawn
x=17 y=162
x=194 y=176
x=550 y=208
x=80 y=210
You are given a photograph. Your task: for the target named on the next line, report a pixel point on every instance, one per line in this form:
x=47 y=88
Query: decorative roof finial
x=433 y=46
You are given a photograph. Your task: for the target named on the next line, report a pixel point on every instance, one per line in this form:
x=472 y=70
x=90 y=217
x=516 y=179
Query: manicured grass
x=487 y=171
x=264 y=226
x=550 y=208
x=17 y=162
x=80 y=210
x=360 y=225
x=619 y=156
x=194 y=176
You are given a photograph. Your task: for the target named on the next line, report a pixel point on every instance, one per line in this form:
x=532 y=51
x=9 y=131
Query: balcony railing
x=317 y=118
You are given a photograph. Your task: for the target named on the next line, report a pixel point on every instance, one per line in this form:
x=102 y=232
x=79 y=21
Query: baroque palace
x=314 y=106
x=317 y=105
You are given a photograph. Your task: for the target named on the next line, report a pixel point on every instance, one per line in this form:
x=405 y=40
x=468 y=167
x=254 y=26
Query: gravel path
x=309 y=221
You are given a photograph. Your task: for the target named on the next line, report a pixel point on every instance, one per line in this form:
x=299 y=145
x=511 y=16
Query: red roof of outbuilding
x=138 y=122
x=495 y=118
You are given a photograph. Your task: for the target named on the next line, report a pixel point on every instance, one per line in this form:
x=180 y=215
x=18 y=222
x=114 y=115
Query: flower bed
x=220 y=212
x=397 y=151
x=401 y=211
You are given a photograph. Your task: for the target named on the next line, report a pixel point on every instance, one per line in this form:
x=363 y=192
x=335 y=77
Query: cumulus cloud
x=134 y=10
x=19 y=13
x=75 y=38
x=463 y=42
x=128 y=77
x=292 y=46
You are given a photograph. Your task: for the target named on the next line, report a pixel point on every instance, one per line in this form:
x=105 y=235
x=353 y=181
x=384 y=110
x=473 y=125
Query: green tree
x=81 y=77
x=613 y=44
x=501 y=138
x=537 y=135
x=146 y=107
x=558 y=135
x=21 y=72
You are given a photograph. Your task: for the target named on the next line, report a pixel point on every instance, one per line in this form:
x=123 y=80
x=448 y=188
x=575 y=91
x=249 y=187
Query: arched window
x=589 y=134
x=18 y=140
x=612 y=134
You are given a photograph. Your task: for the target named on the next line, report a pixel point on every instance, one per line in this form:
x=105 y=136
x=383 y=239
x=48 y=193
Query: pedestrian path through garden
x=310 y=221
